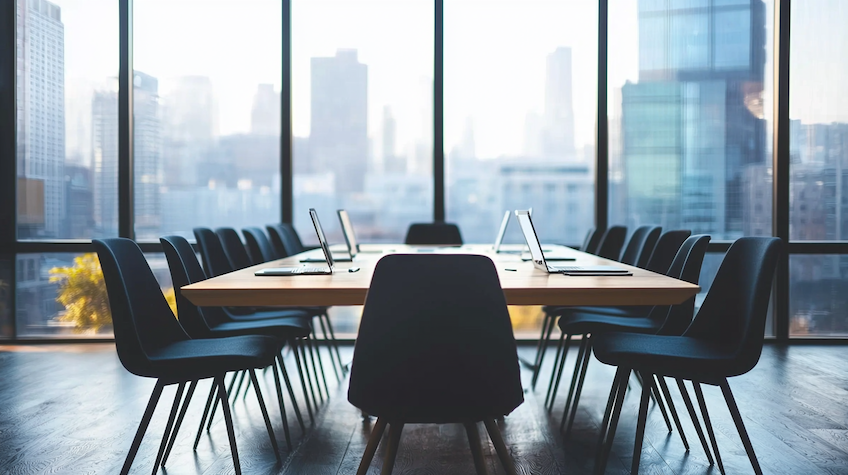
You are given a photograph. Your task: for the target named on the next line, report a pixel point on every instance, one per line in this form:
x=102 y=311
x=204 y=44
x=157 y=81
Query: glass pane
x=362 y=80
x=690 y=91
x=6 y=330
x=818 y=295
x=61 y=295
x=520 y=114
x=67 y=56
x=207 y=115
x=818 y=107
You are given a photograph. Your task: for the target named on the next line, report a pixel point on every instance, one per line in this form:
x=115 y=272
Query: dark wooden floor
x=73 y=409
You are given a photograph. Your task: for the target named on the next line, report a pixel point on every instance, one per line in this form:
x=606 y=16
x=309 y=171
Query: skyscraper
x=147 y=156
x=691 y=124
x=338 y=139
x=265 y=115
x=104 y=161
x=392 y=163
x=558 y=136
x=190 y=131
x=40 y=119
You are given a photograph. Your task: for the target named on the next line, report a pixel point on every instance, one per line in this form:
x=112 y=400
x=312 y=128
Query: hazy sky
x=495 y=53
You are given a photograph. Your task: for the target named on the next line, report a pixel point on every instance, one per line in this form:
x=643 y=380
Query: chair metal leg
x=647 y=384
x=168 y=426
x=574 y=378
x=335 y=342
x=304 y=342
x=142 y=427
x=476 y=447
x=297 y=349
x=265 y=415
x=215 y=403
x=395 y=429
x=212 y=392
x=281 y=362
x=500 y=447
x=619 y=390
x=228 y=420
x=740 y=426
x=329 y=346
x=313 y=343
x=587 y=355
x=371 y=448
x=247 y=385
x=659 y=401
x=692 y=415
x=238 y=387
x=703 y=404
x=667 y=396
x=556 y=372
x=186 y=402
x=282 y=404
x=543 y=347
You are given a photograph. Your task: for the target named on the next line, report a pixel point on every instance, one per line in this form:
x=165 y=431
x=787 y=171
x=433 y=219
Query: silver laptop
x=350 y=239
x=502 y=232
x=304 y=270
x=538 y=257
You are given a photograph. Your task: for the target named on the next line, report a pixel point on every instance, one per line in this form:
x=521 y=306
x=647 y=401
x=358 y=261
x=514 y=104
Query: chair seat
x=632 y=311
x=283 y=328
x=583 y=323
x=675 y=356
x=269 y=313
x=202 y=358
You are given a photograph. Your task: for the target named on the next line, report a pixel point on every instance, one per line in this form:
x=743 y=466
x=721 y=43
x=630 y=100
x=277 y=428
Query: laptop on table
x=538 y=257
x=350 y=240
x=304 y=270
x=502 y=232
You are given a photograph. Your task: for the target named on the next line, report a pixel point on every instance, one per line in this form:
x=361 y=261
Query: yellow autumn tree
x=82 y=290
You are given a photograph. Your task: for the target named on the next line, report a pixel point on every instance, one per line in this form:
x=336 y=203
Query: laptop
x=502 y=232
x=303 y=270
x=350 y=240
x=538 y=257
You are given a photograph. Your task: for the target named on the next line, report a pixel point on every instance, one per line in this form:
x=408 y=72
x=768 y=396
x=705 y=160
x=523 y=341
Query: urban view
x=690 y=147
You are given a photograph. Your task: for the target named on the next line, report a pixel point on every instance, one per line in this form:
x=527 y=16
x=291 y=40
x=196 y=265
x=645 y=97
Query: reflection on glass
x=67 y=55
x=520 y=113
x=818 y=107
x=688 y=120
x=362 y=79
x=818 y=295
x=206 y=115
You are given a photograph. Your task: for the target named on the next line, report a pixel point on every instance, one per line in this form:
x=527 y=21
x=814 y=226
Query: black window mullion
x=286 y=134
x=8 y=149
x=438 y=113
x=602 y=122
x=780 y=205
x=126 y=225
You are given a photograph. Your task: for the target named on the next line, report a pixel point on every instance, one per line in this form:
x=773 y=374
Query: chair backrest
x=141 y=317
x=291 y=239
x=641 y=243
x=275 y=235
x=234 y=249
x=592 y=240
x=733 y=314
x=433 y=234
x=687 y=267
x=435 y=344
x=612 y=242
x=666 y=249
x=185 y=270
x=212 y=253
x=260 y=248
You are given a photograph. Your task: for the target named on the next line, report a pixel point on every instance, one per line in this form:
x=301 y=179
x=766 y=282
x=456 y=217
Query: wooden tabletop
x=525 y=285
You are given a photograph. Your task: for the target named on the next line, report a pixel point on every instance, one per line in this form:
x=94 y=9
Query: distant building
x=189 y=130
x=265 y=114
x=41 y=119
x=104 y=162
x=338 y=139
x=78 y=213
x=147 y=156
x=558 y=135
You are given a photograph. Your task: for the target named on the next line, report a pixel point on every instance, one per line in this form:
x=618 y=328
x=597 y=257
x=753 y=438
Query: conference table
x=522 y=283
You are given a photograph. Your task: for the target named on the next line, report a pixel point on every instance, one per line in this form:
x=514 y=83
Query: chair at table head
x=435 y=342
x=433 y=234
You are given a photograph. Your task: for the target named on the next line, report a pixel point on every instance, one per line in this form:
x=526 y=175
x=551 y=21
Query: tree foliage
x=82 y=290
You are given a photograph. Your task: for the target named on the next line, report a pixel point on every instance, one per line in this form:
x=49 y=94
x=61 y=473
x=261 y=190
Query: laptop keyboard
x=310 y=270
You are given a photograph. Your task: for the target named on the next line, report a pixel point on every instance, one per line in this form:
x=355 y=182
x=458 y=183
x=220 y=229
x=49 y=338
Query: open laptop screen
x=347 y=230
x=321 y=238
x=502 y=231
x=529 y=233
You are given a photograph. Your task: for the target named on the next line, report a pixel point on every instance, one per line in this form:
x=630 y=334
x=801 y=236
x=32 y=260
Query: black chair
x=234 y=249
x=151 y=343
x=213 y=322
x=725 y=339
x=435 y=346
x=661 y=319
x=639 y=247
x=436 y=234
x=611 y=242
x=275 y=235
x=260 y=248
x=592 y=241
